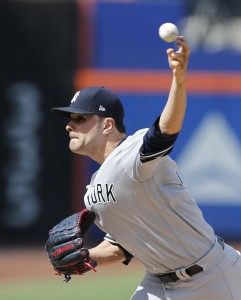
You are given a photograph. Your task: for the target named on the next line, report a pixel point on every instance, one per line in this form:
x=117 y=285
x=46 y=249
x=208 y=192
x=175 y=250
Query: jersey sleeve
x=156 y=143
x=127 y=254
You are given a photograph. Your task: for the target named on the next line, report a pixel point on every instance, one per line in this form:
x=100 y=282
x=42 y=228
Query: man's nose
x=69 y=128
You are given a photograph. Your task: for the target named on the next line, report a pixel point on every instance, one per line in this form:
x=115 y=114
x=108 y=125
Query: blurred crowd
x=213 y=25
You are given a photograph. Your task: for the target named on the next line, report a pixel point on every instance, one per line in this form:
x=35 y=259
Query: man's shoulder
x=132 y=142
x=138 y=133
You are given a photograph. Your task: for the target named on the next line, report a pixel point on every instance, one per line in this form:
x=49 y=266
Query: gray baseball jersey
x=143 y=206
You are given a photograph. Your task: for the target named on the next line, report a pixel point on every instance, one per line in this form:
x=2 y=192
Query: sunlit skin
x=173 y=114
x=93 y=136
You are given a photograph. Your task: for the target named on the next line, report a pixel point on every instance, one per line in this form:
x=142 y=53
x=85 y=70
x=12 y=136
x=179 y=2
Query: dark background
x=37 y=62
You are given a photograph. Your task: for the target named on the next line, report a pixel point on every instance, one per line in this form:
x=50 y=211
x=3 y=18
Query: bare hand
x=178 y=60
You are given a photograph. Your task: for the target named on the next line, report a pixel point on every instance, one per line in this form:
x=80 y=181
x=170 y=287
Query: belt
x=190 y=271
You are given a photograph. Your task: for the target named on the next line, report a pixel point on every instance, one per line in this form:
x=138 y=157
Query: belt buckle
x=182 y=274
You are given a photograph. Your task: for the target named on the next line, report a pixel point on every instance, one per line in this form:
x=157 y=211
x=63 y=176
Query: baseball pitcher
x=138 y=198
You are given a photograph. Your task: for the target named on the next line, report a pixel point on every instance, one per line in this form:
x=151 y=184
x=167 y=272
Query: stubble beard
x=75 y=146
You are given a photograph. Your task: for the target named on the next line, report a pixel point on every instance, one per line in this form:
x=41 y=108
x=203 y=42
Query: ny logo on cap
x=75 y=96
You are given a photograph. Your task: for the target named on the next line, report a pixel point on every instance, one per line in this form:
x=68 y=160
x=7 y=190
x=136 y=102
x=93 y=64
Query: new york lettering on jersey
x=101 y=193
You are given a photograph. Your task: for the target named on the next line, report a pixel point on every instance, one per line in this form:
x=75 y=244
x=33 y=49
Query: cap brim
x=66 y=111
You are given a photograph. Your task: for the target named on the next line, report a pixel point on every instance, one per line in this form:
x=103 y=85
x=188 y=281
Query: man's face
x=85 y=132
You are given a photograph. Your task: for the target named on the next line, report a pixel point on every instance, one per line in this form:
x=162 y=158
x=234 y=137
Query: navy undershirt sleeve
x=156 y=143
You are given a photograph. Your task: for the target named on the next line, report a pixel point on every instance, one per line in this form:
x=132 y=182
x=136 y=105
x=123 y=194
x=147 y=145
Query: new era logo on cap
x=101 y=108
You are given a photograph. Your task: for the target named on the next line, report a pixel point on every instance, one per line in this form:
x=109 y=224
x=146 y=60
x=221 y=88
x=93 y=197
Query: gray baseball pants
x=221 y=280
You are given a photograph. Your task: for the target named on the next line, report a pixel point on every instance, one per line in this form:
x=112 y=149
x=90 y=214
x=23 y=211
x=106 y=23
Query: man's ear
x=108 y=124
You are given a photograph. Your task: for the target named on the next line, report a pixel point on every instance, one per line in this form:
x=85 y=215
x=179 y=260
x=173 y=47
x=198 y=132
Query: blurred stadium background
x=51 y=48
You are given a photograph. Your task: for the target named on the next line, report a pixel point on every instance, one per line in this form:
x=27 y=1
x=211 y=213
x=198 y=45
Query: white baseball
x=168 y=32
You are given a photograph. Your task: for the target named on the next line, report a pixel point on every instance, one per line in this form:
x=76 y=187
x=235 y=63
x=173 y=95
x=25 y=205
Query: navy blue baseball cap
x=93 y=100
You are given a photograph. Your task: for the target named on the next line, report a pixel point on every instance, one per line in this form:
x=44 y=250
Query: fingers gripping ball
x=65 y=245
x=168 y=32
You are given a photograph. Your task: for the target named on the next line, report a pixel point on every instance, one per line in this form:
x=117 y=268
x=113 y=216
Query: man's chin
x=73 y=147
x=73 y=150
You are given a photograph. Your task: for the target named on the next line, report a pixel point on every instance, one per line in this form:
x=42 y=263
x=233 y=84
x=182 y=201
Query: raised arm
x=173 y=113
